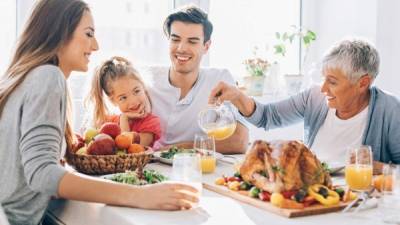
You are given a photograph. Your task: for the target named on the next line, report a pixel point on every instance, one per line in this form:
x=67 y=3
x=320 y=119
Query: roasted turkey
x=278 y=166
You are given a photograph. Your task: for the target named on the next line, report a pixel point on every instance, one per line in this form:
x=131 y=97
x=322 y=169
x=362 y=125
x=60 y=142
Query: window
x=241 y=25
x=131 y=28
x=8 y=32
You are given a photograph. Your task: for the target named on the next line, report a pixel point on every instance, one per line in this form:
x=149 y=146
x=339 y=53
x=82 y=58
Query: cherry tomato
x=288 y=194
x=234 y=179
x=264 y=196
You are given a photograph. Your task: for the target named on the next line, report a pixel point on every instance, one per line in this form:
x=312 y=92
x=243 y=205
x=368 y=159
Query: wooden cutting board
x=267 y=206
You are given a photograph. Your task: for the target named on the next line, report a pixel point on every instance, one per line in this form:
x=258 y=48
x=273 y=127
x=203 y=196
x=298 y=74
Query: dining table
x=213 y=208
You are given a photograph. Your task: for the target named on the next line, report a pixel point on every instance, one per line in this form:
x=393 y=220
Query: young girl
x=121 y=83
x=35 y=126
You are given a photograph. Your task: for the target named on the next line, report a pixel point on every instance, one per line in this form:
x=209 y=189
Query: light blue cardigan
x=382 y=132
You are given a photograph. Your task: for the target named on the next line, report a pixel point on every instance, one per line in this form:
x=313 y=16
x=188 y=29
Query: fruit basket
x=107 y=164
x=107 y=151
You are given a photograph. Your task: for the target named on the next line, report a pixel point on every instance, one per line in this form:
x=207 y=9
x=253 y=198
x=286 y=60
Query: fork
x=363 y=197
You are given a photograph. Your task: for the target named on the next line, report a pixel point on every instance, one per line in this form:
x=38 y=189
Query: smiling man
x=181 y=91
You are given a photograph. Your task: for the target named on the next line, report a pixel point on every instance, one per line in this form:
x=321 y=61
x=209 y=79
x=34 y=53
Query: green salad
x=132 y=177
x=173 y=150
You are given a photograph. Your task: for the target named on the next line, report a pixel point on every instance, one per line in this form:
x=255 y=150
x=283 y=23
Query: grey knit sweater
x=31 y=134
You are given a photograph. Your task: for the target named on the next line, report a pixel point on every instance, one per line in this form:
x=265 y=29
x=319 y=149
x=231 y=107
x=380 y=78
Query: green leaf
x=311 y=35
x=277 y=35
x=280 y=49
x=306 y=40
x=285 y=36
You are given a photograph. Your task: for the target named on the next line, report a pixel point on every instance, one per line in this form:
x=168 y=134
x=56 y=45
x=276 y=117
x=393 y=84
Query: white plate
x=335 y=167
x=157 y=155
x=108 y=176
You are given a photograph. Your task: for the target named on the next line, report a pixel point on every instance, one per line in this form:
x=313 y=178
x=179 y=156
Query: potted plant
x=306 y=37
x=256 y=69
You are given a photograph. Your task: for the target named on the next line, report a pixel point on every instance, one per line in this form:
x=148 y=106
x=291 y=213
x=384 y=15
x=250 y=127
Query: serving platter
x=267 y=206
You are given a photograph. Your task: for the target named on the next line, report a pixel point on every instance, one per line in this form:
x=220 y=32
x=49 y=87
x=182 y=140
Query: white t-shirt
x=179 y=117
x=336 y=135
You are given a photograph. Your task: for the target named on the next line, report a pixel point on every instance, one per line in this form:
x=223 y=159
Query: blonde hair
x=50 y=26
x=110 y=70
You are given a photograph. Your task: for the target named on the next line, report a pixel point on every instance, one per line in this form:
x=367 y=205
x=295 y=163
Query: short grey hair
x=355 y=57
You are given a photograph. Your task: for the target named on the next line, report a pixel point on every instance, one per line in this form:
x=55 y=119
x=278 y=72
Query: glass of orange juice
x=358 y=171
x=389 y=203
x=205 y=145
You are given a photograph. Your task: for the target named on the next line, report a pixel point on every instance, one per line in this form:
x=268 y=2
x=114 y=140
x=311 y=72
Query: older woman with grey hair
x=345 y=111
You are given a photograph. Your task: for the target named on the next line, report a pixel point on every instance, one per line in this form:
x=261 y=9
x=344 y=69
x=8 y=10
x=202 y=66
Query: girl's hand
x=166 y=196
x=124 y=122
x=144 y=110
x=223 y=92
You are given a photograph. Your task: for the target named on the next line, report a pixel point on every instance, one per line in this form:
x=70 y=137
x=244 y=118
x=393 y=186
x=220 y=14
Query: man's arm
x=235 y=144
x=186 y=144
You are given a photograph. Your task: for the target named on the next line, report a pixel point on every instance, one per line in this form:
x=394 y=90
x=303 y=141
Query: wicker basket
x=107 y=164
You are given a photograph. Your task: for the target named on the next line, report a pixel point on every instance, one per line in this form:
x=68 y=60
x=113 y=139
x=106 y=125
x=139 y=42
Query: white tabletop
x=213 y=209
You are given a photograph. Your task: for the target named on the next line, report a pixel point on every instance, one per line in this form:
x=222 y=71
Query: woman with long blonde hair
x=35 y=125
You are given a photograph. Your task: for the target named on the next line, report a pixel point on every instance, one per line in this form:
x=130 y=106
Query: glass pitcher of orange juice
x=217 y=121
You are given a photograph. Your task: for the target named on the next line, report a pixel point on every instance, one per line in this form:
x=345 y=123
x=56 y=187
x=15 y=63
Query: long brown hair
x=50 y=26
x=110 y=70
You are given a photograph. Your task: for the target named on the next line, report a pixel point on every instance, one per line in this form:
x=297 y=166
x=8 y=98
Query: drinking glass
x=389 y=203
x=217 y=121
x=358 y=171
x=186 y=169
x=205 y=145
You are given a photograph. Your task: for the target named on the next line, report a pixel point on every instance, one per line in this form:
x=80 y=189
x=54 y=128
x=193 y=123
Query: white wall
x=388 y=37
x=24 y=8
x=375 y=20
x=8 y=33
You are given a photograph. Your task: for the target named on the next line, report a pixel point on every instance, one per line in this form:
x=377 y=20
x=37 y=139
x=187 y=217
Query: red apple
x=79 y=142
x=111 y=129
x=102 y=144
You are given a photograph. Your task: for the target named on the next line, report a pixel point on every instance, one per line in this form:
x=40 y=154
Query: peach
x=102 y=144
x=124 y=140
x=135 y=148
x=111 y=129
